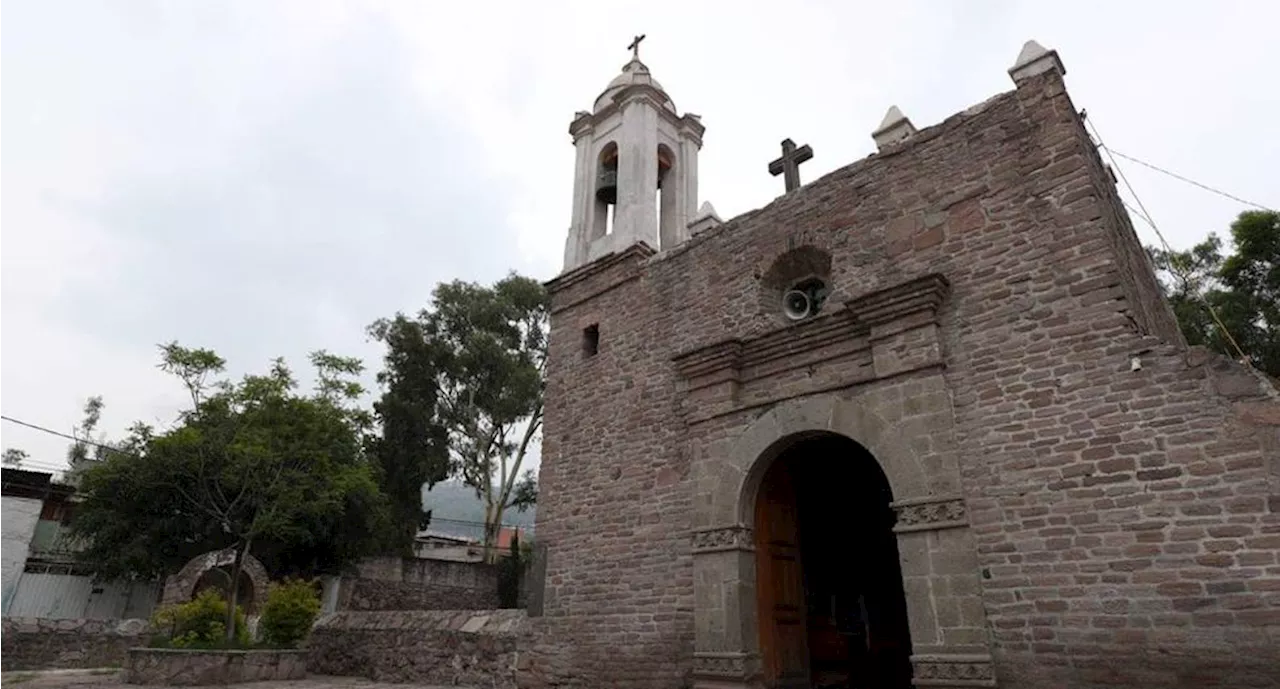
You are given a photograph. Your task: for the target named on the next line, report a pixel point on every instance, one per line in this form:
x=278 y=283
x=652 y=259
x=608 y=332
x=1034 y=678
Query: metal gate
x=74 y=596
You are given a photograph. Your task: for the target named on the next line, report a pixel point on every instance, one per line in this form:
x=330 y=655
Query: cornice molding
x=724 y=538
x=953 y=670
x=932 y=513
x=903 y=302
x=921 y=295
x=637 y=252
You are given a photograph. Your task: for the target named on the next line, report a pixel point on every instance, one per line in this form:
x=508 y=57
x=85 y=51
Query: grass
x=18 y=677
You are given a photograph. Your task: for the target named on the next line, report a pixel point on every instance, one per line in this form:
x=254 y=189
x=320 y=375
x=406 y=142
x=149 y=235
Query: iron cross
x=635 y=47
x=789 y=163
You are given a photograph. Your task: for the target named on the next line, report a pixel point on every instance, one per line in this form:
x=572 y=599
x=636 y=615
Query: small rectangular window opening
x=591 y=339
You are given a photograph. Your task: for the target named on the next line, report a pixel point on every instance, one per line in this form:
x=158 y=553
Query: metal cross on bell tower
x=635 y=47
x=789 y=164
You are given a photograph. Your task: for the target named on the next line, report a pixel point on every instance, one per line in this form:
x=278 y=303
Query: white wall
x=18 y=517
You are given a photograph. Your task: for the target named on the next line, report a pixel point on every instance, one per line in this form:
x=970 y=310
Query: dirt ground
x=111 y=679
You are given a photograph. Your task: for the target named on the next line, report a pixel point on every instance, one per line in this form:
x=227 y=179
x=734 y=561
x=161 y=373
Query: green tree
x=466 y=379
x=411 y=449
x=252 y=466
x=1243 y=288
x=13 y=457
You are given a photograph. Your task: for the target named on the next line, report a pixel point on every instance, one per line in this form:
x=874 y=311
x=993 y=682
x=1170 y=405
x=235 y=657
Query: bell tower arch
x=636 y=169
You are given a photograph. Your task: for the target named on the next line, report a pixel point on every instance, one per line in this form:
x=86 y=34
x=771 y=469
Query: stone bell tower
x=636 y=177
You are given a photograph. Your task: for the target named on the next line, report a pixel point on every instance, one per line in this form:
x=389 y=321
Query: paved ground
x=110 y=679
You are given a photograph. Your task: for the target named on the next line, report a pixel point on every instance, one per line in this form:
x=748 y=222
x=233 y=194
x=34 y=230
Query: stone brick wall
x=419 y=584
x=1138 y=291
x=41 y=644
x=1119 y=518
x=423 y=647
x=184 y=668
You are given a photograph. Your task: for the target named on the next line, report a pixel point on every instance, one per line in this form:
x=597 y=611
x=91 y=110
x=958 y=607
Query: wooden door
x=784 y=648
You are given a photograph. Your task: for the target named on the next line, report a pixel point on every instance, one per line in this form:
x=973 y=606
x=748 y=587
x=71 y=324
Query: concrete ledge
x=192 y=667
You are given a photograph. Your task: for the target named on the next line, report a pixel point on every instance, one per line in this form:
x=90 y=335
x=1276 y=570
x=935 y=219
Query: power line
x=1138 y=213
x=1177 y=176
x=63 y=435
x=1146 y=215
x=40 y=465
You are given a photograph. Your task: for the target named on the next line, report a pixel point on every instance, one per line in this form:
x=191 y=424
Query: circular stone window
x=796 y=284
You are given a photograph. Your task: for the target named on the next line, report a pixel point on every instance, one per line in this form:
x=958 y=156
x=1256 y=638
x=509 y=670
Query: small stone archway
x=914 y=446
x=181 y=587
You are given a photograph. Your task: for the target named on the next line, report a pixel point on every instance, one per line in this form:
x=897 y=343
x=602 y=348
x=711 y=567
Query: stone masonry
x=44 y=644
x=1082 y=500
x=180 y=667
x=424 y=647
x=395 y=583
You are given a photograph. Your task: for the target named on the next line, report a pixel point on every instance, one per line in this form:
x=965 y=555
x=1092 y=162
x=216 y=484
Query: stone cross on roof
x=635 y=47
x=789 y=163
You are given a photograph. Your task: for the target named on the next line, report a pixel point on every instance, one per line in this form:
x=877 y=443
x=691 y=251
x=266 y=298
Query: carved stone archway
x=913 y=443
x=180 y=587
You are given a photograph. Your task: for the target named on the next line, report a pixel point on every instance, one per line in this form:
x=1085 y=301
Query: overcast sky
x=266 y=178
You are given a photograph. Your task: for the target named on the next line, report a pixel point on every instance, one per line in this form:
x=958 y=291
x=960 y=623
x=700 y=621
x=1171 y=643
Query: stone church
x=925 y=421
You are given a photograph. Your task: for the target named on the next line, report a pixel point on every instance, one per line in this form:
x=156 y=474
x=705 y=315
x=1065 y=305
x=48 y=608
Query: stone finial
x=705 y=219
x=894 y=128
x=1035 y=59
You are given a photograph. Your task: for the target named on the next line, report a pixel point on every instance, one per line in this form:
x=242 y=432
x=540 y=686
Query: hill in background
x=457 y=511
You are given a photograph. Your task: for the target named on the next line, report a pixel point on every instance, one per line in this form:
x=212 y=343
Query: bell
x=664 y=164
x=607 y=185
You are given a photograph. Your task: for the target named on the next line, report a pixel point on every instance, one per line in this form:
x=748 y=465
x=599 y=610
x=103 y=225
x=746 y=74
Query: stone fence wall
x=31 y=643
x=391 y=583
x=497 y=649
x=419 y=646
x=188 y=667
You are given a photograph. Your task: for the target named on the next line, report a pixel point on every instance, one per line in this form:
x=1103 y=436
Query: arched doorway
x=831 y=610
x=219 y=579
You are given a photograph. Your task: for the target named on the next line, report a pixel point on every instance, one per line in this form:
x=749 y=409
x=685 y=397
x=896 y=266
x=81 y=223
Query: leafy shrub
x=198 y=623
x=292 y=607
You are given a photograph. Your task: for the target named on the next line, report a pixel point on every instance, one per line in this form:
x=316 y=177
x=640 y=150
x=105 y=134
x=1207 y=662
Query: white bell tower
x=636 y=177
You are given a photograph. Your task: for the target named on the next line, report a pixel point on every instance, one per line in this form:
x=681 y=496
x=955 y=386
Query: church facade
x=926 y=421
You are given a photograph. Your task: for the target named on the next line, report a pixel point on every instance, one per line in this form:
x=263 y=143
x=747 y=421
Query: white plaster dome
x=633 y=73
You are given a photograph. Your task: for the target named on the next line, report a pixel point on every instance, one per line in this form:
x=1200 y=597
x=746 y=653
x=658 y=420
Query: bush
x=292 y=607
x=199 y=623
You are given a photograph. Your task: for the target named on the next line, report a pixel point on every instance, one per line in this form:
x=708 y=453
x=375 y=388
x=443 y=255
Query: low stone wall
x=418 y=584
x=183 y=667
x=31 y=643
x=472 y=648
x=371 y=595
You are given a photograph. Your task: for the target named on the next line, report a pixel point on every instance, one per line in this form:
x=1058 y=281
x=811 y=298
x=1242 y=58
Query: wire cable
x=1243 y=358
x=1177 y=176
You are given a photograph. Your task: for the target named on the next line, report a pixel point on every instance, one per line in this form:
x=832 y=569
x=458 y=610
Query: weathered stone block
x=183 y=667
x=46 y=644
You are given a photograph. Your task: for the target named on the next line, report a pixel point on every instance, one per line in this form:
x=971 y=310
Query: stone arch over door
x=180 y=587
x=907 y=428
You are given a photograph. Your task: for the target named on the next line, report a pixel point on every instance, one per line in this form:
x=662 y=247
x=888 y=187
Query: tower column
x=583 y=189
x=636 y=217
x=688 y=184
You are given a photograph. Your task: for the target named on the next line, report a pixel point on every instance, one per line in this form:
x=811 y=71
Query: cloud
x=269 y=214
x=266 y=178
